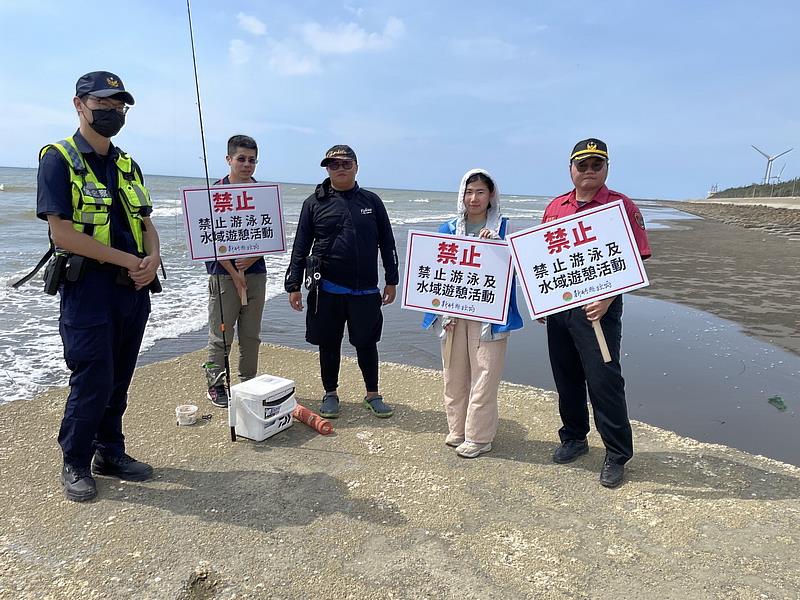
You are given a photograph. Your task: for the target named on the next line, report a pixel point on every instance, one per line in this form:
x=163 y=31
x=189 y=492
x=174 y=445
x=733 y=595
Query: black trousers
x=577 y=366
x=326 y=316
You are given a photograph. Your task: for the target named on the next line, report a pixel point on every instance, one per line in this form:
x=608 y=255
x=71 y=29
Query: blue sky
x=423 y=90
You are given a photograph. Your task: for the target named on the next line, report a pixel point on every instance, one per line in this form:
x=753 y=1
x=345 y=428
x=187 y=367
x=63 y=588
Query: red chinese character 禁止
x=447 y=253
x=222 y=202
x=243 y=202
x=471 y=260
x=556 y=240
x=581 y=234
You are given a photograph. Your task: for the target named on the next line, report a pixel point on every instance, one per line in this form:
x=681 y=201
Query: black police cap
x=103 y=84
x=589 y=148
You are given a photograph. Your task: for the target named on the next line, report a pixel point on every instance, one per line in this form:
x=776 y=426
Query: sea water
x=31 y=354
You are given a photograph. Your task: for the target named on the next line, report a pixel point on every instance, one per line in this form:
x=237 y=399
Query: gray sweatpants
x=246 y=319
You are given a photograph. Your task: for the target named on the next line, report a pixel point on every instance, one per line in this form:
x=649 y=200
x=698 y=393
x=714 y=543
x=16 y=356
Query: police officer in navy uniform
x=574 y=352
x=93 y=197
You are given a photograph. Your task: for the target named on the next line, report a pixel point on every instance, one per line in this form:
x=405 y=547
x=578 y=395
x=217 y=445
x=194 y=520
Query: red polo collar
x=602 y=196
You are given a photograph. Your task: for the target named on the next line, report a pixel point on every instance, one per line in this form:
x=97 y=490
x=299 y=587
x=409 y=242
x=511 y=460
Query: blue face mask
x=107 y=122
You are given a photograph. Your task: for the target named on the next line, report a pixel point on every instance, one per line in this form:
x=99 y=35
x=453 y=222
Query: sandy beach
x=383 y=509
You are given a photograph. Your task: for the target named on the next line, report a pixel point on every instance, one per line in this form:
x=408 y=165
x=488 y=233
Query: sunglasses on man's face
x=246 y=159
x=335 y=165
x=595 y=165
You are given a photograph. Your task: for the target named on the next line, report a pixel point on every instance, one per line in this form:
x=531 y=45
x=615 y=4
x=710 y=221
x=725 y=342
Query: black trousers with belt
x=577 y=366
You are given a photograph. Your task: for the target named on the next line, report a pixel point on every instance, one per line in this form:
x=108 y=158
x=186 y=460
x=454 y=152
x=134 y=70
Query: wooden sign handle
x=243 y=293
x=601 y=339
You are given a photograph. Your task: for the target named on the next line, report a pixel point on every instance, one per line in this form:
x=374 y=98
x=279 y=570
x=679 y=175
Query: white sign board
x=464 y=277
x=577 y=259
x=237 y=220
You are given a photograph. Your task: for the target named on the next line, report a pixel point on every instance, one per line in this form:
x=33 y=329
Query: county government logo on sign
x=577 y=259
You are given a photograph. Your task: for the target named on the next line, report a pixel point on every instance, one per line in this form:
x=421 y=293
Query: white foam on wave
x=421 y=200
x=168 y=211
x=31 y=358
x=517 y=213
x=180 y=308
x=440 y=218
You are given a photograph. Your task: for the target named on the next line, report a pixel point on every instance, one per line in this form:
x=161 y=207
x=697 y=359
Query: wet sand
x=740 y=262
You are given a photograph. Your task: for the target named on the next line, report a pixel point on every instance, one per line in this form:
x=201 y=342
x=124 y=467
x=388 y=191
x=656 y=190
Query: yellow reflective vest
x=91 y=200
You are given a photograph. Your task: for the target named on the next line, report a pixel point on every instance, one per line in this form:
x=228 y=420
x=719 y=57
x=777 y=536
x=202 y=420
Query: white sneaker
x=473 y=450
x=453 y=440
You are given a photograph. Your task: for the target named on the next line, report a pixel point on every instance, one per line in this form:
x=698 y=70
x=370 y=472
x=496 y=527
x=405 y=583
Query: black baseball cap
x=338 y=152
x=589 y=148
x=103 y=85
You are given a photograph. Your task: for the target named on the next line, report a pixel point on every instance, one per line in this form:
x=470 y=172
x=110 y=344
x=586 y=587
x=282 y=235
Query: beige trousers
x=471 y=382
x=246 y=319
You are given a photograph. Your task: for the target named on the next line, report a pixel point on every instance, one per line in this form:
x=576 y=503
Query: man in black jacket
x=340 y=231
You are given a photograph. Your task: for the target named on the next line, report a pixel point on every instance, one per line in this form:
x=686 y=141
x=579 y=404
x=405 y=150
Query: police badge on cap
x=589 y=148
x=103 y=84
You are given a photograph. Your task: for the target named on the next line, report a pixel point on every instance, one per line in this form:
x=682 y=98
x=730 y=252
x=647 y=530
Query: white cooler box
x=261 y=407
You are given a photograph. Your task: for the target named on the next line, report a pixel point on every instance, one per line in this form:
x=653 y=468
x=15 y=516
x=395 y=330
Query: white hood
x=492 y=215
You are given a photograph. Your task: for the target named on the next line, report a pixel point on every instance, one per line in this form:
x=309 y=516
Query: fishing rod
x=213 y=232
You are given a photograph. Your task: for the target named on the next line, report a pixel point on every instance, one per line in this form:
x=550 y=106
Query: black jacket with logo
x=345 y=230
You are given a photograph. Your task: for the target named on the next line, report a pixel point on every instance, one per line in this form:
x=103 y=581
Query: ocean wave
x=167 y=211
x=421 y=200
x=9 y=188
x=32 y=358
x=517 y=213
x=440 y=218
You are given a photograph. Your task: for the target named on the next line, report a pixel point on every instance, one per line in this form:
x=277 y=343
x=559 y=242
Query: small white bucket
x=186 y=414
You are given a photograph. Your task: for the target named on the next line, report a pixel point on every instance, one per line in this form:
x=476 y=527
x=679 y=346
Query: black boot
x=612 y=474
x=123 y=467
x=570 y=450
x=79 y=485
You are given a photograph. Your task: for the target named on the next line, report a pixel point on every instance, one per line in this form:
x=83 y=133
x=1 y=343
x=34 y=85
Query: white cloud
x=251 y=24
x=240 y=52
x=285 y=61
x=302 y=57
x=347 y=38
x=357 y=11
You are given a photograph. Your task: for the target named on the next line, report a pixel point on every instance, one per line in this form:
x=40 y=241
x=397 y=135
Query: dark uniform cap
x=102 y=84
x=338 y=152
x=589 y=148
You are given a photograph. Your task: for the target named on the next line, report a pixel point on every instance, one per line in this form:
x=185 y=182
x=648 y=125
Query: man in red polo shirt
x=574 y=352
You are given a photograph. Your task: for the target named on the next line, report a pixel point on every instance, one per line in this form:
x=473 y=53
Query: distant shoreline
x=790 y=202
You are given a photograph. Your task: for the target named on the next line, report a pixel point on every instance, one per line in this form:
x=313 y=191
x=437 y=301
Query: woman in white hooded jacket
x=477 y=350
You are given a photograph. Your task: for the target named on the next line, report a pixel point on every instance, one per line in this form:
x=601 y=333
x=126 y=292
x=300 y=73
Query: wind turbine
x=777 y=177
x=769 y=161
